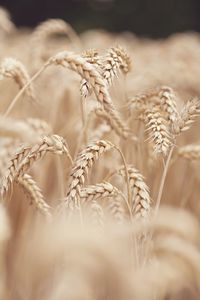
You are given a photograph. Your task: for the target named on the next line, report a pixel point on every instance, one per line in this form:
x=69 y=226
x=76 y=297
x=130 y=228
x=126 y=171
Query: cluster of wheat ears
x=99 y=164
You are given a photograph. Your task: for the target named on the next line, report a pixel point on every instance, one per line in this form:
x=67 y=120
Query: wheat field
x=99 y=164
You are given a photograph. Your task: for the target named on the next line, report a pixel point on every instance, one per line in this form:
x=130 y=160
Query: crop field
x=99 y=164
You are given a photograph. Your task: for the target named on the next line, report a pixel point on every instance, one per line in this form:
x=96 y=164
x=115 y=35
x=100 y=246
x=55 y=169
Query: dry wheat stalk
x=189 y=112
x=115 y=60
x=12 y=68
x=141 y=202
x=34 y=194
x=82 y=164
x=88 y=72
x=157 y=130
x=190 y=152
x=26 y=156
x=5 y=234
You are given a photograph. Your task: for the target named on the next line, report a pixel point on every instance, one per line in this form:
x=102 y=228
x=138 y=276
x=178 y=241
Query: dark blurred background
x=152 y=18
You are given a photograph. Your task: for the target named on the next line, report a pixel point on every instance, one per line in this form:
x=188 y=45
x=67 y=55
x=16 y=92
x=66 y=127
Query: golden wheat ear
x=14 y=69
x=34 y=194
x=82 y=165
x=26 y=156
x=47 y=29
x=140 y=198
x=190 y=111
x=115 y=60
x=190 y=152
x=157 y=130
x=87 y=71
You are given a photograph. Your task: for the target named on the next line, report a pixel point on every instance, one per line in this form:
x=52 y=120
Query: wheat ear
x=157 y=130
x=53 y=26
x=187 y=116
x=163 y=96
x=113 y=198
x=12 y=68
x=82 y=164
x=17 y=129
x=190 y=152
x=115 y=60
x=6 y=24
x=34 y=194
x=93 y=58
x=122 y=133
x=87 y=71
x=27 y=156
x=140 y=203
x=167 y=102
x=98 y=191
x=96 y=216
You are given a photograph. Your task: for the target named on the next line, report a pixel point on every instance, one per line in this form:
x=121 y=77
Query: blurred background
x=151 y=18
